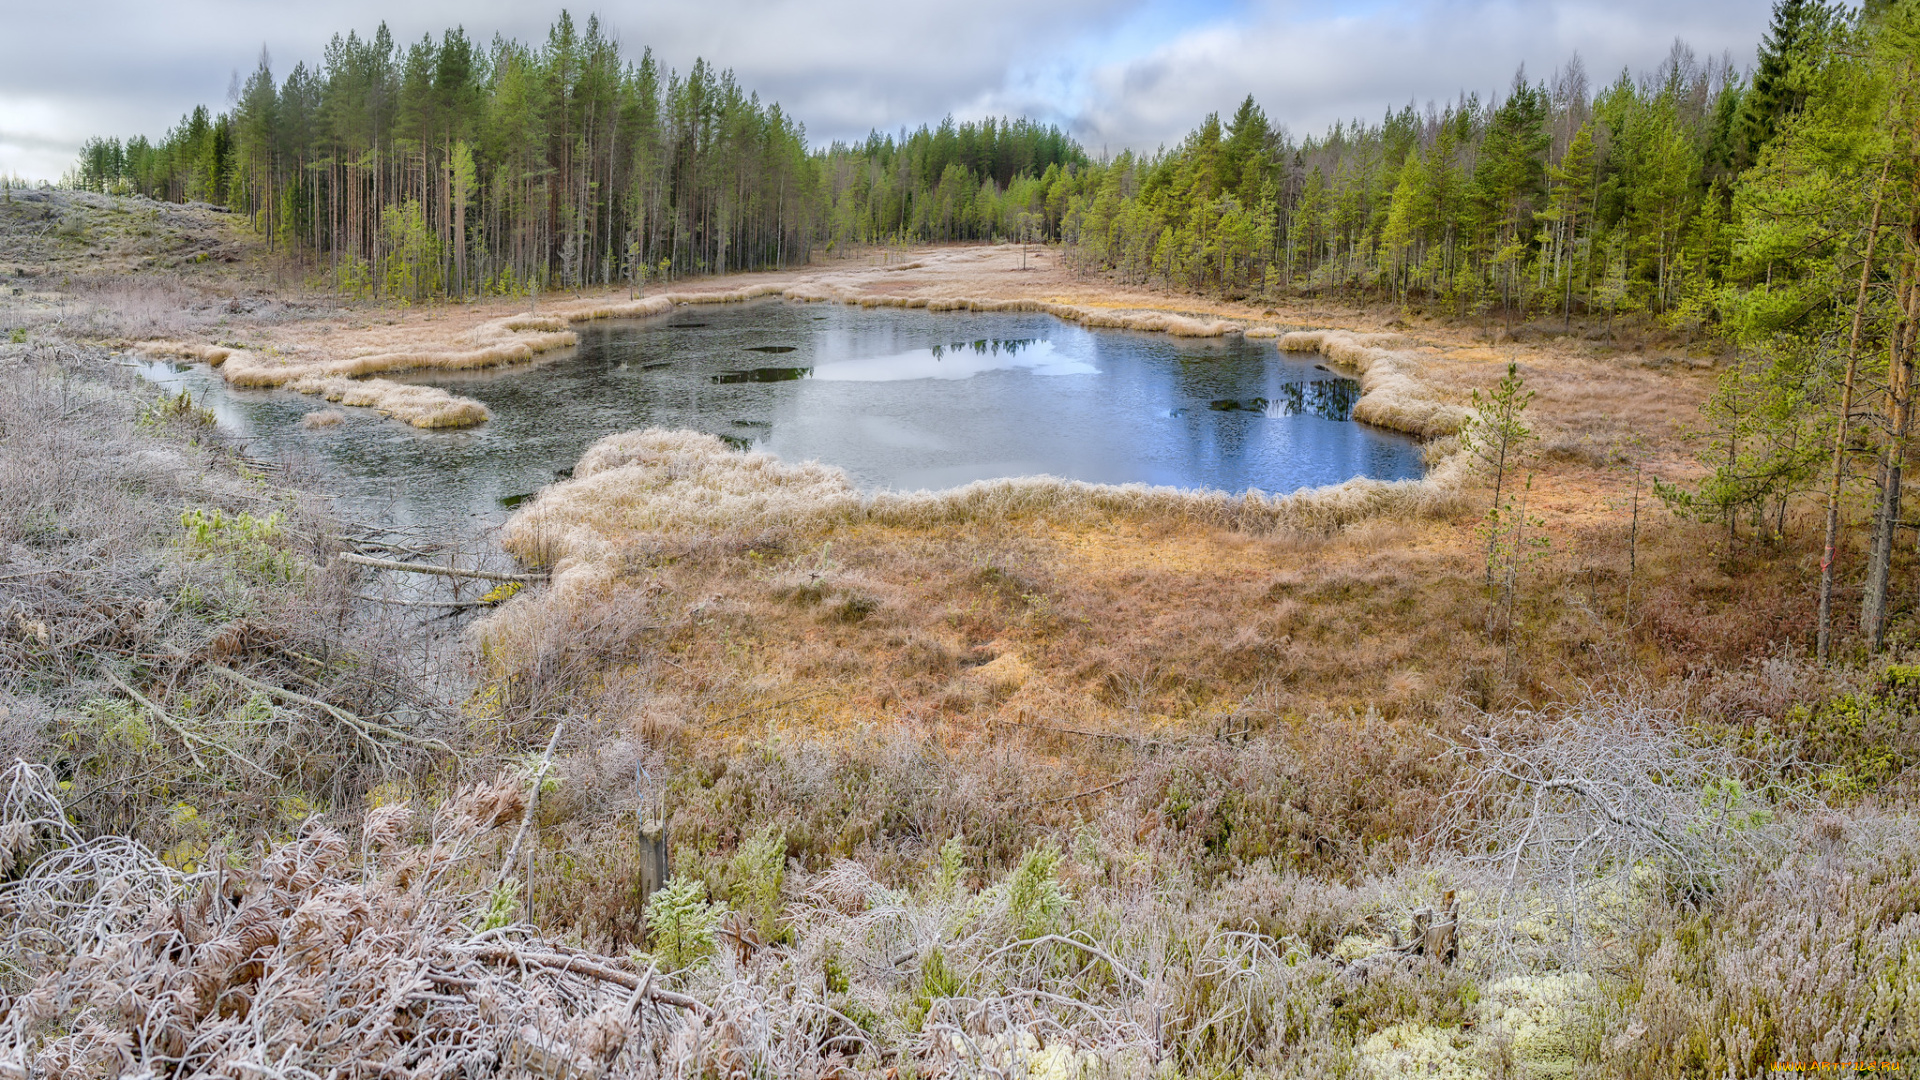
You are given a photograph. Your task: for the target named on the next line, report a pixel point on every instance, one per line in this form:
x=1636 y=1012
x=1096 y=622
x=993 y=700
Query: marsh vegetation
x=1569 y=758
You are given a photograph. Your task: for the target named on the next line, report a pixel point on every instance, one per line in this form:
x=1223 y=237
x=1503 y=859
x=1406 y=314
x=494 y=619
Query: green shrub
x=682 y=923
x=255 y=544
x=937 y=980
x=754 y=877
x=1035 y=902
x=953 y=863
x=177 y=409
x=1861 y=743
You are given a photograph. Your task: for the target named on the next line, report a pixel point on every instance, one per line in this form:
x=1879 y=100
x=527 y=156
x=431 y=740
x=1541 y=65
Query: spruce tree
x=1773 y=95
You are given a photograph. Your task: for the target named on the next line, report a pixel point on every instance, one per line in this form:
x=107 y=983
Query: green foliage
x=257 y=546
x=937 y=981
x=503 y=906
x=1855 y=746
x=1726 y=804
x=1496 y=433
x=114 y=723
x=681 y=923
x=177 y=409
x=754 y=877
x=953 y=864
x=1035 y=902
x=352 y=275
x=1766 y=443
x=412 y=253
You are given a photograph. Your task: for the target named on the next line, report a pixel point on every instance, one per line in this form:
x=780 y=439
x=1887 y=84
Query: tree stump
x=653 y=860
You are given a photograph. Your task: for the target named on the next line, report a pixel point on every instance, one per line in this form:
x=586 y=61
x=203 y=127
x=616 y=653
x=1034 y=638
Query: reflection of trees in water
x=986 y=346
x=763 y=374
x=1331 y=399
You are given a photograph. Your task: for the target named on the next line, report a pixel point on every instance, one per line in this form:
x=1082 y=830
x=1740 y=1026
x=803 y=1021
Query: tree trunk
x=1824 y=631
x=1873 y=606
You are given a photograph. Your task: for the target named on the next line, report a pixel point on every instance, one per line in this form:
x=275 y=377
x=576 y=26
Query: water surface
x=901 y=399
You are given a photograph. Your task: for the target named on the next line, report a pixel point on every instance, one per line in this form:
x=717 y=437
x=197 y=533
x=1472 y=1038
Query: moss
x=1419 y=1050
x=1535 y=1015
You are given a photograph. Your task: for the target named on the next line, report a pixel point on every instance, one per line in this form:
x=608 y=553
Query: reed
x=686 y=483
x=421 y=406
x=1392 y=394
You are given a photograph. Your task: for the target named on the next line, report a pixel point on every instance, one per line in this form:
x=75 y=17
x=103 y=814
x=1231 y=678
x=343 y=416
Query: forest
x=454 y=168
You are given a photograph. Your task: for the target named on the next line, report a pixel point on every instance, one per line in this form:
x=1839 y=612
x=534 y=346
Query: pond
x=900 y=399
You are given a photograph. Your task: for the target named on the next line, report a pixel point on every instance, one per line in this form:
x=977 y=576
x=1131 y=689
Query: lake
x=899 y=398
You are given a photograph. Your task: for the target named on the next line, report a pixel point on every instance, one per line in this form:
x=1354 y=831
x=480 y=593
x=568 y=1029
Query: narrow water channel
x=901 y=399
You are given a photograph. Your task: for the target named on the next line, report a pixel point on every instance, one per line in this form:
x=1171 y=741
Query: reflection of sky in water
x=899 y=398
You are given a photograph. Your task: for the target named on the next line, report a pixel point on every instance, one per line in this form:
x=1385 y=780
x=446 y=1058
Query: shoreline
x=1599 y=409
x=1392 y=395
x=501 y=339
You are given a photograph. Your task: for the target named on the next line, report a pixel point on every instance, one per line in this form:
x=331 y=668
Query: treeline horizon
x=445 y=168
x=448 y=168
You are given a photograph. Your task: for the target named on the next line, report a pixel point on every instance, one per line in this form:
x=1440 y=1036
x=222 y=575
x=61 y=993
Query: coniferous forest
x=452 y=167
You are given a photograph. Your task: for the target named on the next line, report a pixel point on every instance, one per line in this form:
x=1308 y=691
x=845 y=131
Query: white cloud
x=1310 y=66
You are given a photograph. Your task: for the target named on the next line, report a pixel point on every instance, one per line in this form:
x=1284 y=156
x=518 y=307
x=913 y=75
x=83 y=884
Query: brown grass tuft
x=1391 y=393
x=421 y=406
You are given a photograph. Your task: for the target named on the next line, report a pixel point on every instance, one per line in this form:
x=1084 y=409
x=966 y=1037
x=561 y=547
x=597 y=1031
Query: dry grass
x=1110 y=608
x=421 y=406
x=325 y=418
x=1391 y=393
x=934 y=748
x=688 y=483
x=154 y=600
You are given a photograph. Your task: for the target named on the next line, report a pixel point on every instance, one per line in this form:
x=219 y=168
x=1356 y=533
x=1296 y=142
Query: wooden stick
x=533 y=801
x=440 y=571
x=365 y=728
x=187 y=736
x=588 y=968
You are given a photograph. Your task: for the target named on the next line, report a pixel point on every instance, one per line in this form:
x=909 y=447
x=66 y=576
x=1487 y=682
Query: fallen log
x=587 y=967
x=439 y=571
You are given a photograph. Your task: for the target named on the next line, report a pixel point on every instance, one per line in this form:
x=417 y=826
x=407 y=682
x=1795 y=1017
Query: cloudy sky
x=1117 y=73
